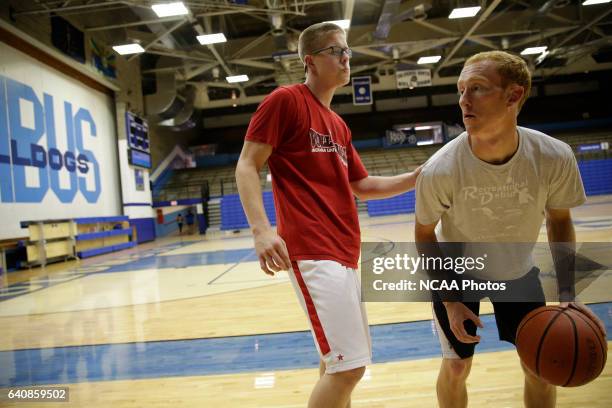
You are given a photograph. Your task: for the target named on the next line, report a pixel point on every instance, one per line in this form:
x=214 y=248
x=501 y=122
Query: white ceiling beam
x=200 y=70
x=251 y=45
x=161 y=36
x=435 y=27
x=483 y=16
x=584 y=27
x=167 y=52
x=167 y=69
x=220 y=84
x=70 y=8
x=540 y=36
x=133 y=24
x=366 y=50
x=484 y=42
x=421 y=46
x=253 y=63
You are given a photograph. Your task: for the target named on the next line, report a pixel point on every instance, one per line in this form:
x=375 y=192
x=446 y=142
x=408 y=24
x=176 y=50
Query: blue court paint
x=36 y=284
x=602 y=223
x=62 y=365
x=161 y=261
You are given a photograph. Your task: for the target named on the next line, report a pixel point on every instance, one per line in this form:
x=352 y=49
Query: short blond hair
x=311 y=38
x=512 y=68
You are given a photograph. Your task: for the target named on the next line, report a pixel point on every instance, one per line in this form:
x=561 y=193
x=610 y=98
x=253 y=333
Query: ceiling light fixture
x=126 y=49
x=211 y=38
x=591 y=2
x=429 y=60
x=464 y=12
x=533 y=50
x=170 y=9
x=237 y=78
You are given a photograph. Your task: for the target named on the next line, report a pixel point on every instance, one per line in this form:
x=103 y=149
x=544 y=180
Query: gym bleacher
x=595 y=168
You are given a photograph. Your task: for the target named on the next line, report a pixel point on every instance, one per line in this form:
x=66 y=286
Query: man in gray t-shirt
x=495 y=183
x=476 y=201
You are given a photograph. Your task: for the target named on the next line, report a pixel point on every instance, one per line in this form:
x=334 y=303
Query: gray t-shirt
x=482 y=202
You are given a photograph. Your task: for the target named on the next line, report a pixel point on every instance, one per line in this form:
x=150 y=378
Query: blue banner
x=592 y=147
x=362 y=90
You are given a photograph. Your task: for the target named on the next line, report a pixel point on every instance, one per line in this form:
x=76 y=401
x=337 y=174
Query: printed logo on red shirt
x=321 y=143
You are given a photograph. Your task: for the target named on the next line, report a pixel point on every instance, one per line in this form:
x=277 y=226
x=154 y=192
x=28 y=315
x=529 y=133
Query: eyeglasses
x=337 y=51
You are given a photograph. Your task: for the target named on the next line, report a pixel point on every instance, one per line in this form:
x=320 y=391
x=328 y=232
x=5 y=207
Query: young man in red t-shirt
x=315 y=173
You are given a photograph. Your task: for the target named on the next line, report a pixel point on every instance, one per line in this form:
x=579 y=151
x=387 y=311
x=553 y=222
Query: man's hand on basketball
x=458 y=313
x=581 y=307
x=272 y=252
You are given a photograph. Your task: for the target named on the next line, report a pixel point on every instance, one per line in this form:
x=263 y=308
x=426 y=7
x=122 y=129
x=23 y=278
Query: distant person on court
x=316 y=171
x=495 y=183
x=179 y=222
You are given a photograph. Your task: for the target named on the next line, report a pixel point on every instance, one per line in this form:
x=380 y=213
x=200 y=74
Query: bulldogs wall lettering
x=21 y=146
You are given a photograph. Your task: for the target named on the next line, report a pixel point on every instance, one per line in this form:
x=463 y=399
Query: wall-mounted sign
x=362 y=90
x=413 y=78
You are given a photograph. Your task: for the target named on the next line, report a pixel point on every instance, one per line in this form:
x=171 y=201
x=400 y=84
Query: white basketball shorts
x=330 y=295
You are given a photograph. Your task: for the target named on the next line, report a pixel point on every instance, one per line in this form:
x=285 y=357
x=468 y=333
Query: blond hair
x=311 y=38
x=512 y=69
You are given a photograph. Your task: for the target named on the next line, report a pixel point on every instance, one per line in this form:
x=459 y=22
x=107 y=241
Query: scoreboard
x=137 y=129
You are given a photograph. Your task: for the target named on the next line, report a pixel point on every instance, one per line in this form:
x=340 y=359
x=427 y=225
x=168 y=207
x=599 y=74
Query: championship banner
x=413 y=78
x=362 y=90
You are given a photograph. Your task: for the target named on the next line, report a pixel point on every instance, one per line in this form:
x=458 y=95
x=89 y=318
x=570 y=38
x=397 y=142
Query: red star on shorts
x=340 y=357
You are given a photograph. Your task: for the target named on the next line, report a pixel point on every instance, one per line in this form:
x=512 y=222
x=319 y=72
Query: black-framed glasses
x=335 y=50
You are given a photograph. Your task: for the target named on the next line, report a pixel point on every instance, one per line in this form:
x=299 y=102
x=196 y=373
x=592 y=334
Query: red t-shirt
x=312 y=164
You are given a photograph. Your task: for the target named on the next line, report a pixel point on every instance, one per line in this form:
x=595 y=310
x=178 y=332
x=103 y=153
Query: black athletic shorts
x=508 y=314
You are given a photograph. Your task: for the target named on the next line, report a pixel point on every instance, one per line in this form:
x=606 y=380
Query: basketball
x=561 y=346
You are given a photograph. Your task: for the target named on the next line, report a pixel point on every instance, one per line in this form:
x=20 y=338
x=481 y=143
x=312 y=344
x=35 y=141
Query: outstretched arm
x=376 y=187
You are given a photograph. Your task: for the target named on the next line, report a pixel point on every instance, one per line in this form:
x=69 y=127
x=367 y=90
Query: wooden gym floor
x=192 y=322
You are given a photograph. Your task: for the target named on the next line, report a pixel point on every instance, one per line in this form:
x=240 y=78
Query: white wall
x=34 y=101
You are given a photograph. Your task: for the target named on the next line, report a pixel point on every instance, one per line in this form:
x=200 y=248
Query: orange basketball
x=562 y=346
